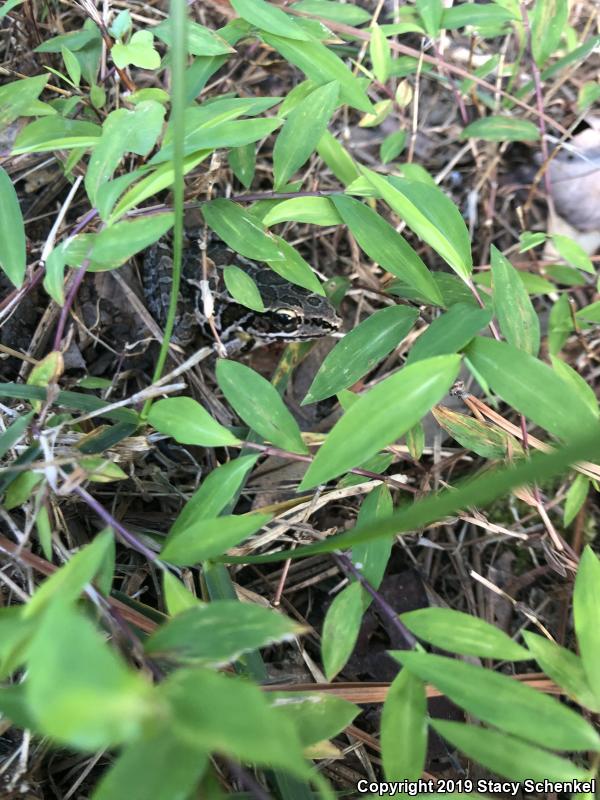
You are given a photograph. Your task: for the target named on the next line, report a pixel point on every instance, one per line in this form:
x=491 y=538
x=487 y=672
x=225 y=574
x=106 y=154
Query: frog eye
x=286 y=314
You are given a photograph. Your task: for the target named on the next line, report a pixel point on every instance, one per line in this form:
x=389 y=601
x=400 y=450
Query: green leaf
x=123 y=132
x=178 y=598
x=315 y=716
x=294 y=268
x=392 y=146
x=548 y=23
x=589 y=313
x=8 y=6
x=589 y=93
x=518 y=321
x=16 y=98
x=358 y=352
x=21 y=489
x=14 y=433
x=371 y=558
x=322 y=66
x=431 y=215
x=79 y=691
x=449 y=332
x=115 y=245
x=54 y=277
x=201 y=41
x=504 y=702
x=404 y=728
x=338 y=12
x=70 y=580
x=241 y=231
x=576 y=497
x=221 y=714
x=55 y=133
x=15 y=634
x=564 y=668
x=311 y=116
x=259 y=404
x=478 y=15
x=337 y=158
x=340 y=629
x=381 y=416
x=586 y=602
x=72 y=65
x=218 y=633
x=312 y=210
x=158 y=765
x=386 y=246
x=138 y=51
x=430 y=12
x=242 y=288
x=501 y=129
x=560 y=324
x=217 y=490
x=207 y=538
x=74 y=41
x=488 y=441
x=13 y=257
x=573 y=253
x=381 y=55
x=242 y=161
x=189 y=423
x=462 y=633
x=531 y=387
x=506 y=755
x=267 y=17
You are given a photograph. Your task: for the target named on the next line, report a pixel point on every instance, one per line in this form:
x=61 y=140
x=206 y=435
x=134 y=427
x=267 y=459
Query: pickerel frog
x=292 y=314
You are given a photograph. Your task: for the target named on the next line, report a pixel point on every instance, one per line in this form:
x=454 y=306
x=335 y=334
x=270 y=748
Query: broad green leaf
x=338 y=12
x=576 y=497
x=78 y=400
x=79 y=691
x=158 y=179
x=340 y=629
x=501 y=129
x=311 y=117
x=576 y=383
x=462 y=633
x=294 y=268
x=507 y=755
x=488 y=441
x=74 y=41
x=392 y=146
x=72 y=65
x=115 y=245
x=381 y=112
x=404 y=729
x=589 y=313
x=55 y=133
x=242 y=288
x=259 y=404
x=431 y=215
x=123 y=132
x=531 y=387
x=586 y=605
x=358 y=352
x=15 y=633
x=108 y=193
x=386 y=246
x=207 y=538
x=589 y=93
x=322 y=66
x=216 y=491
x=337 y=158
x=573 y=253
x=503 y=702
x=313 y=210
x=315 y=716
x=268 y=17
x=16 y=98
x=14 y=433
x=371 y=558
x=241 y=231
x=215 y=713
x=242 y=161
x=477 y=15
x=518 y=321
x=138 y=51
x=21 y=489
x=564 y=668
x=548 y=23
x=158 y=765
x=178 y=598
x=381 y=416
x=10 y=4
x=70 y=580
x=54 y=277
x=200 y=41
x=430 y=12
x=218 y=633
x=560 y=324
x=189 y=423
x=449 y=332
x=381 y=55
x=13 y=257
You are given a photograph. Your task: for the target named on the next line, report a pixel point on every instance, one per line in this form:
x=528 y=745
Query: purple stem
x=64 y=313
